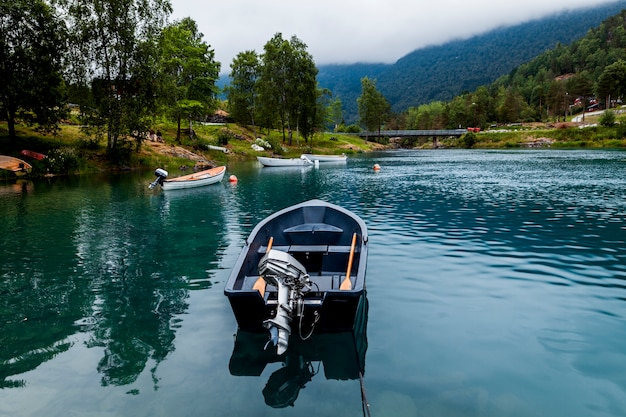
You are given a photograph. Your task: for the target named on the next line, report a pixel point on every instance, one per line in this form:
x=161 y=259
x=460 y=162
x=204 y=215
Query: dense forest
x=439 y=73
x=588 y=74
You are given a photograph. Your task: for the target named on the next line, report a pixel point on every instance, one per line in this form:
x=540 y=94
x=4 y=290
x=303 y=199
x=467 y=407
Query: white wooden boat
x=197 y=179
x=18 y=166
x=326 y=158
x=284 y=162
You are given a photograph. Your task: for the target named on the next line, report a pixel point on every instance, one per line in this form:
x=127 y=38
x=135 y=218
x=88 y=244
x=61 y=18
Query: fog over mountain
x=350 y=31
x=445 y=71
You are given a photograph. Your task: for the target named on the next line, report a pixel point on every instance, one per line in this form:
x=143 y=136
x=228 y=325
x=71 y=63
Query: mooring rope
x=366 y=404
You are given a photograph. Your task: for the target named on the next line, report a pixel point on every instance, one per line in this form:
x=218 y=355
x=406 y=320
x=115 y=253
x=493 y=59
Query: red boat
x=35 y=155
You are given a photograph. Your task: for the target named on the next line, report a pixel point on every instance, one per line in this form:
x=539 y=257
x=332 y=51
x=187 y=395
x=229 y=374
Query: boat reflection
x=20 y=186
x=342 y=356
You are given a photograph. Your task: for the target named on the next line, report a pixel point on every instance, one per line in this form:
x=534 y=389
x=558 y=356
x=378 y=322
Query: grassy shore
x=71 y=152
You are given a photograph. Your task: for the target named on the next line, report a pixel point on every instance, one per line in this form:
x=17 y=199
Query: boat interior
x=329 y=250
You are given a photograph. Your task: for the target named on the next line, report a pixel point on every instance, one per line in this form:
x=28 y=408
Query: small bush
x=275 y=145
x=223 y=136
x=608 y=118
x=62 y=161
x=468 y=140
x=351 y=129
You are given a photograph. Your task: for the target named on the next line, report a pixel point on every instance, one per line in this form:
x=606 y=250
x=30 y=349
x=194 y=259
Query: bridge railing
x=401 y=133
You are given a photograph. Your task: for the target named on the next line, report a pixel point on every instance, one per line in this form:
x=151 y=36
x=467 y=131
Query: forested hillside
x=443 y=72
x=590 y=73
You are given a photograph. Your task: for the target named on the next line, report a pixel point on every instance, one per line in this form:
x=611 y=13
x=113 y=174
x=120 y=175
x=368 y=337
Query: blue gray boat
x=301 y=271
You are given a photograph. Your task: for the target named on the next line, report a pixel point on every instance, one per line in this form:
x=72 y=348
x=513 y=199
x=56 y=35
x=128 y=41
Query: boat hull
x=197 y=179
x=326 y=158
x=342 y=353
x=279 y=162
x=318 y=235
x=16 y=165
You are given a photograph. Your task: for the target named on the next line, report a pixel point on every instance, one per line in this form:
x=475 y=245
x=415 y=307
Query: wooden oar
x=260 y=283
x=346 y=284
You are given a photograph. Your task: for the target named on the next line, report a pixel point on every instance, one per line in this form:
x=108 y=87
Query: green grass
x=75 y=153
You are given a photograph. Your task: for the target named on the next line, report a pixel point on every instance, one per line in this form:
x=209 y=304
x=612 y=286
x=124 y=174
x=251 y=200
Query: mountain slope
x=442 y=72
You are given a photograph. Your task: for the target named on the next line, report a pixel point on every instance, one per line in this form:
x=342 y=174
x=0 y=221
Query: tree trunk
x=11 y=123
x=584 y=107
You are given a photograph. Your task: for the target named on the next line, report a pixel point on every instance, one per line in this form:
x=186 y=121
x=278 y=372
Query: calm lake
x=496 y=284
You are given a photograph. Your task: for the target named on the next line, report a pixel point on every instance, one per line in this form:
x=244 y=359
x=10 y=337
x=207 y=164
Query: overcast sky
x=349 y=31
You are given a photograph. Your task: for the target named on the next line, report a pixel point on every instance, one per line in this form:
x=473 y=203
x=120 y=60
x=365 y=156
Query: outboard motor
x=290 y=277
x=161 y=175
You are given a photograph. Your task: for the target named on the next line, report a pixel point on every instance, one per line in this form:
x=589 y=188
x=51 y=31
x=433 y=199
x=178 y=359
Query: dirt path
x=176 y=151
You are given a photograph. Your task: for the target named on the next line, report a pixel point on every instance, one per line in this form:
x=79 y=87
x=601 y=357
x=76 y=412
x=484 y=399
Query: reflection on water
x=102 y=261
x=342 y=356
x=496 y=281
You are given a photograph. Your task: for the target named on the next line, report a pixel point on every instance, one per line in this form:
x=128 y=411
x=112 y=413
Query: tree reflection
x=104 y=261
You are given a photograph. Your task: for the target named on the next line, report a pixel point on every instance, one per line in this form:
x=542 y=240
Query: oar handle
x=346 y=284
x=260 y=283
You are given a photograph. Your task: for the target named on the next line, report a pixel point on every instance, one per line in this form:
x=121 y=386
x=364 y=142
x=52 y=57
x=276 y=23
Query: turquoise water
x=496 y=286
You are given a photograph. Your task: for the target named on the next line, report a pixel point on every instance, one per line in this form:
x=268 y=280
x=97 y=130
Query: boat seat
x=313 y=227
x=308 y=248
x=339 y=249
x=263 y=249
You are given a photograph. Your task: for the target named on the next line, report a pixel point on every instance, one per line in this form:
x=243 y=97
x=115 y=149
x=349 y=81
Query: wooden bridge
x=414 y=133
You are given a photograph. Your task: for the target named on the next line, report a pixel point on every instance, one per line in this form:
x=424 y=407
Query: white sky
x=349 y=31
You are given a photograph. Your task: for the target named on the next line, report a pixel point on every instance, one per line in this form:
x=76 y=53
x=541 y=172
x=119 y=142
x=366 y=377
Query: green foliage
x=32 y=45
x=61 y=161
x=224 y=136
x=188 y=72
x=468 y=140
x=608 y=118
x=354 y=128
x=88 y=143
x=374 y=109
x=287 y=87
x=544 y=88
x=592 y=65
x=243 y=92
x=114 y=53
x=427 y=116
x=275 y=143
x=335 y=113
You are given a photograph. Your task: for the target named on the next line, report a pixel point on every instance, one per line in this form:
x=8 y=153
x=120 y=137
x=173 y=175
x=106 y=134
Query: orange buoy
x=376 y=167
x=232 y=178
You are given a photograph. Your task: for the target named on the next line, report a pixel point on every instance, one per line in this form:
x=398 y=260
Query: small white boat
x=197 y=179
x=287 y=162
x=326 y=158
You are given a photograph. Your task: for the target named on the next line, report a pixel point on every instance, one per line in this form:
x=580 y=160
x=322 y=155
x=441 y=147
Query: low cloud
x=349 y=31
